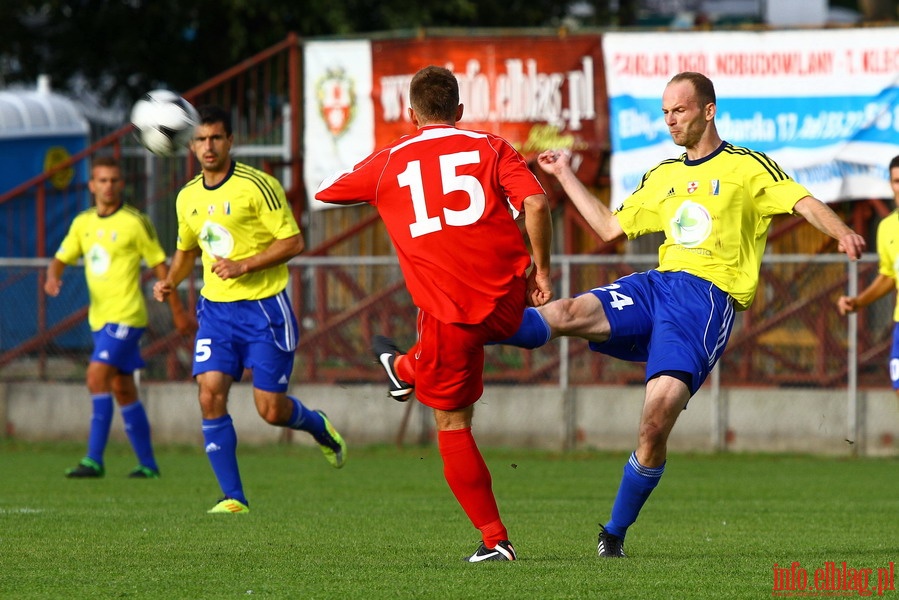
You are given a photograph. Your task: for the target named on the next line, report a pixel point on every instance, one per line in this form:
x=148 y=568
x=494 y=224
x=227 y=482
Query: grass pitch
x=387 y=526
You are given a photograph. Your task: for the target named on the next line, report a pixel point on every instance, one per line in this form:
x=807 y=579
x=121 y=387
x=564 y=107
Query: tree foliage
x=122 y=48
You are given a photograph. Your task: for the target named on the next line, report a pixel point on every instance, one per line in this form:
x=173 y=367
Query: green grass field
x=386 y=526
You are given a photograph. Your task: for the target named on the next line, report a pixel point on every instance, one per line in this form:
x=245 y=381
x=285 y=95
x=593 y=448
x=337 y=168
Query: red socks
x=471 y=484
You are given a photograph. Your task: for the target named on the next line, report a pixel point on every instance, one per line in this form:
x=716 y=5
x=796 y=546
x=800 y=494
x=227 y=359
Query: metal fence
x=791 y=337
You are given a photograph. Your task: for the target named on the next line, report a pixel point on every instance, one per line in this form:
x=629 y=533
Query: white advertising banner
x=823 y=104
x=338 y=112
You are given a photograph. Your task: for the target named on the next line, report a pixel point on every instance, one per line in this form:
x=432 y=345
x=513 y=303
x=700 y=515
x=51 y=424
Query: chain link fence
x=791 y=337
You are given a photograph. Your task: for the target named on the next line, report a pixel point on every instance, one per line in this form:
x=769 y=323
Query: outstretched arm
x=597 y=214
x=826 y=221
x=880 y=287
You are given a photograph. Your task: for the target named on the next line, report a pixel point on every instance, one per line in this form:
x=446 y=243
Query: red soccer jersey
x=444 y=195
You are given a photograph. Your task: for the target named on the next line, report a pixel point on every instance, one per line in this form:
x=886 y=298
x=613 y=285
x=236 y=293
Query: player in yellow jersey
x=238 y=218
x=714 y=203
x=113 y=238
x=886 y=280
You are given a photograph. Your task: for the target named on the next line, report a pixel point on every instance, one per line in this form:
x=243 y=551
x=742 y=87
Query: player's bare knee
x=271 y=415
x=653 y=438
x=99 y=378
x=124 y=396
x=97 y=385
x=560 y=315
x=124 y=389
x=212 y=404
x=581 y=316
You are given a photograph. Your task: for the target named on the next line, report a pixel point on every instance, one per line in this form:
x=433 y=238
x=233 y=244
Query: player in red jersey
x=449 y=198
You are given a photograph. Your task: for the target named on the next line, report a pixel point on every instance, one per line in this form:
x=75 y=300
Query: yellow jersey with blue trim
x=715 y=213
x=888 y=250
x=113 y=247
x=239 y=217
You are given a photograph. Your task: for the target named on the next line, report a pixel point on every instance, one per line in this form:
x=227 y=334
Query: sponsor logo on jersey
x=216 y=240
x=691 y=224
x=97 y=259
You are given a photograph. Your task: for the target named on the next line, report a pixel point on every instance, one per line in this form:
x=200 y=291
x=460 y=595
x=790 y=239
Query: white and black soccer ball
x=164 y=122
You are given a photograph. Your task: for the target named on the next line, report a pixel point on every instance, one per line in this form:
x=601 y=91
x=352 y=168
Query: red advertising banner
x=538 y=92
x=533 y=91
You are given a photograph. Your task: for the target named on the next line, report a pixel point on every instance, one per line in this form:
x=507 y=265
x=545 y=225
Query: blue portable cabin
x=39 y=129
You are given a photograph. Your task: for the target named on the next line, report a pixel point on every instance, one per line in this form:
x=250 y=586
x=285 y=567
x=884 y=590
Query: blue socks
x=221 y=445
x=532 y=333
x=221 y=449
x=101 y=421
x=636 y=485
x=304 y=419
x=137 y=426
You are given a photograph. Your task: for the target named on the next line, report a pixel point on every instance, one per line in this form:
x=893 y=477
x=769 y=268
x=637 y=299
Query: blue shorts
x=248 y=334
x=672 y=321
x=119 y=346
x=894 y=358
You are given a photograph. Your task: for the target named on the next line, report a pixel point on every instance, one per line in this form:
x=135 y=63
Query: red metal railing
x=275 y=73
x=151 y=183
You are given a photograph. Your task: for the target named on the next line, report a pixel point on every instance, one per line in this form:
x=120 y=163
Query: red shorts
x=446 y=364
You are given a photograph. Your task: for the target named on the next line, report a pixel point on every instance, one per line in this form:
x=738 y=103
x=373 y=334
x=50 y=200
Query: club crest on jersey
x=692 y=187
x=216 y=240
x=714 y=187
x=336 y=96
x=691 y=224
x=97 y=260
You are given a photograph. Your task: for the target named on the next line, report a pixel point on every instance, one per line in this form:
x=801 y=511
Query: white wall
x=755 y=420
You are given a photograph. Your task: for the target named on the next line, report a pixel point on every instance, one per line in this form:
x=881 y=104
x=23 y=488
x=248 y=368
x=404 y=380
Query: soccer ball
x=163 y=122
